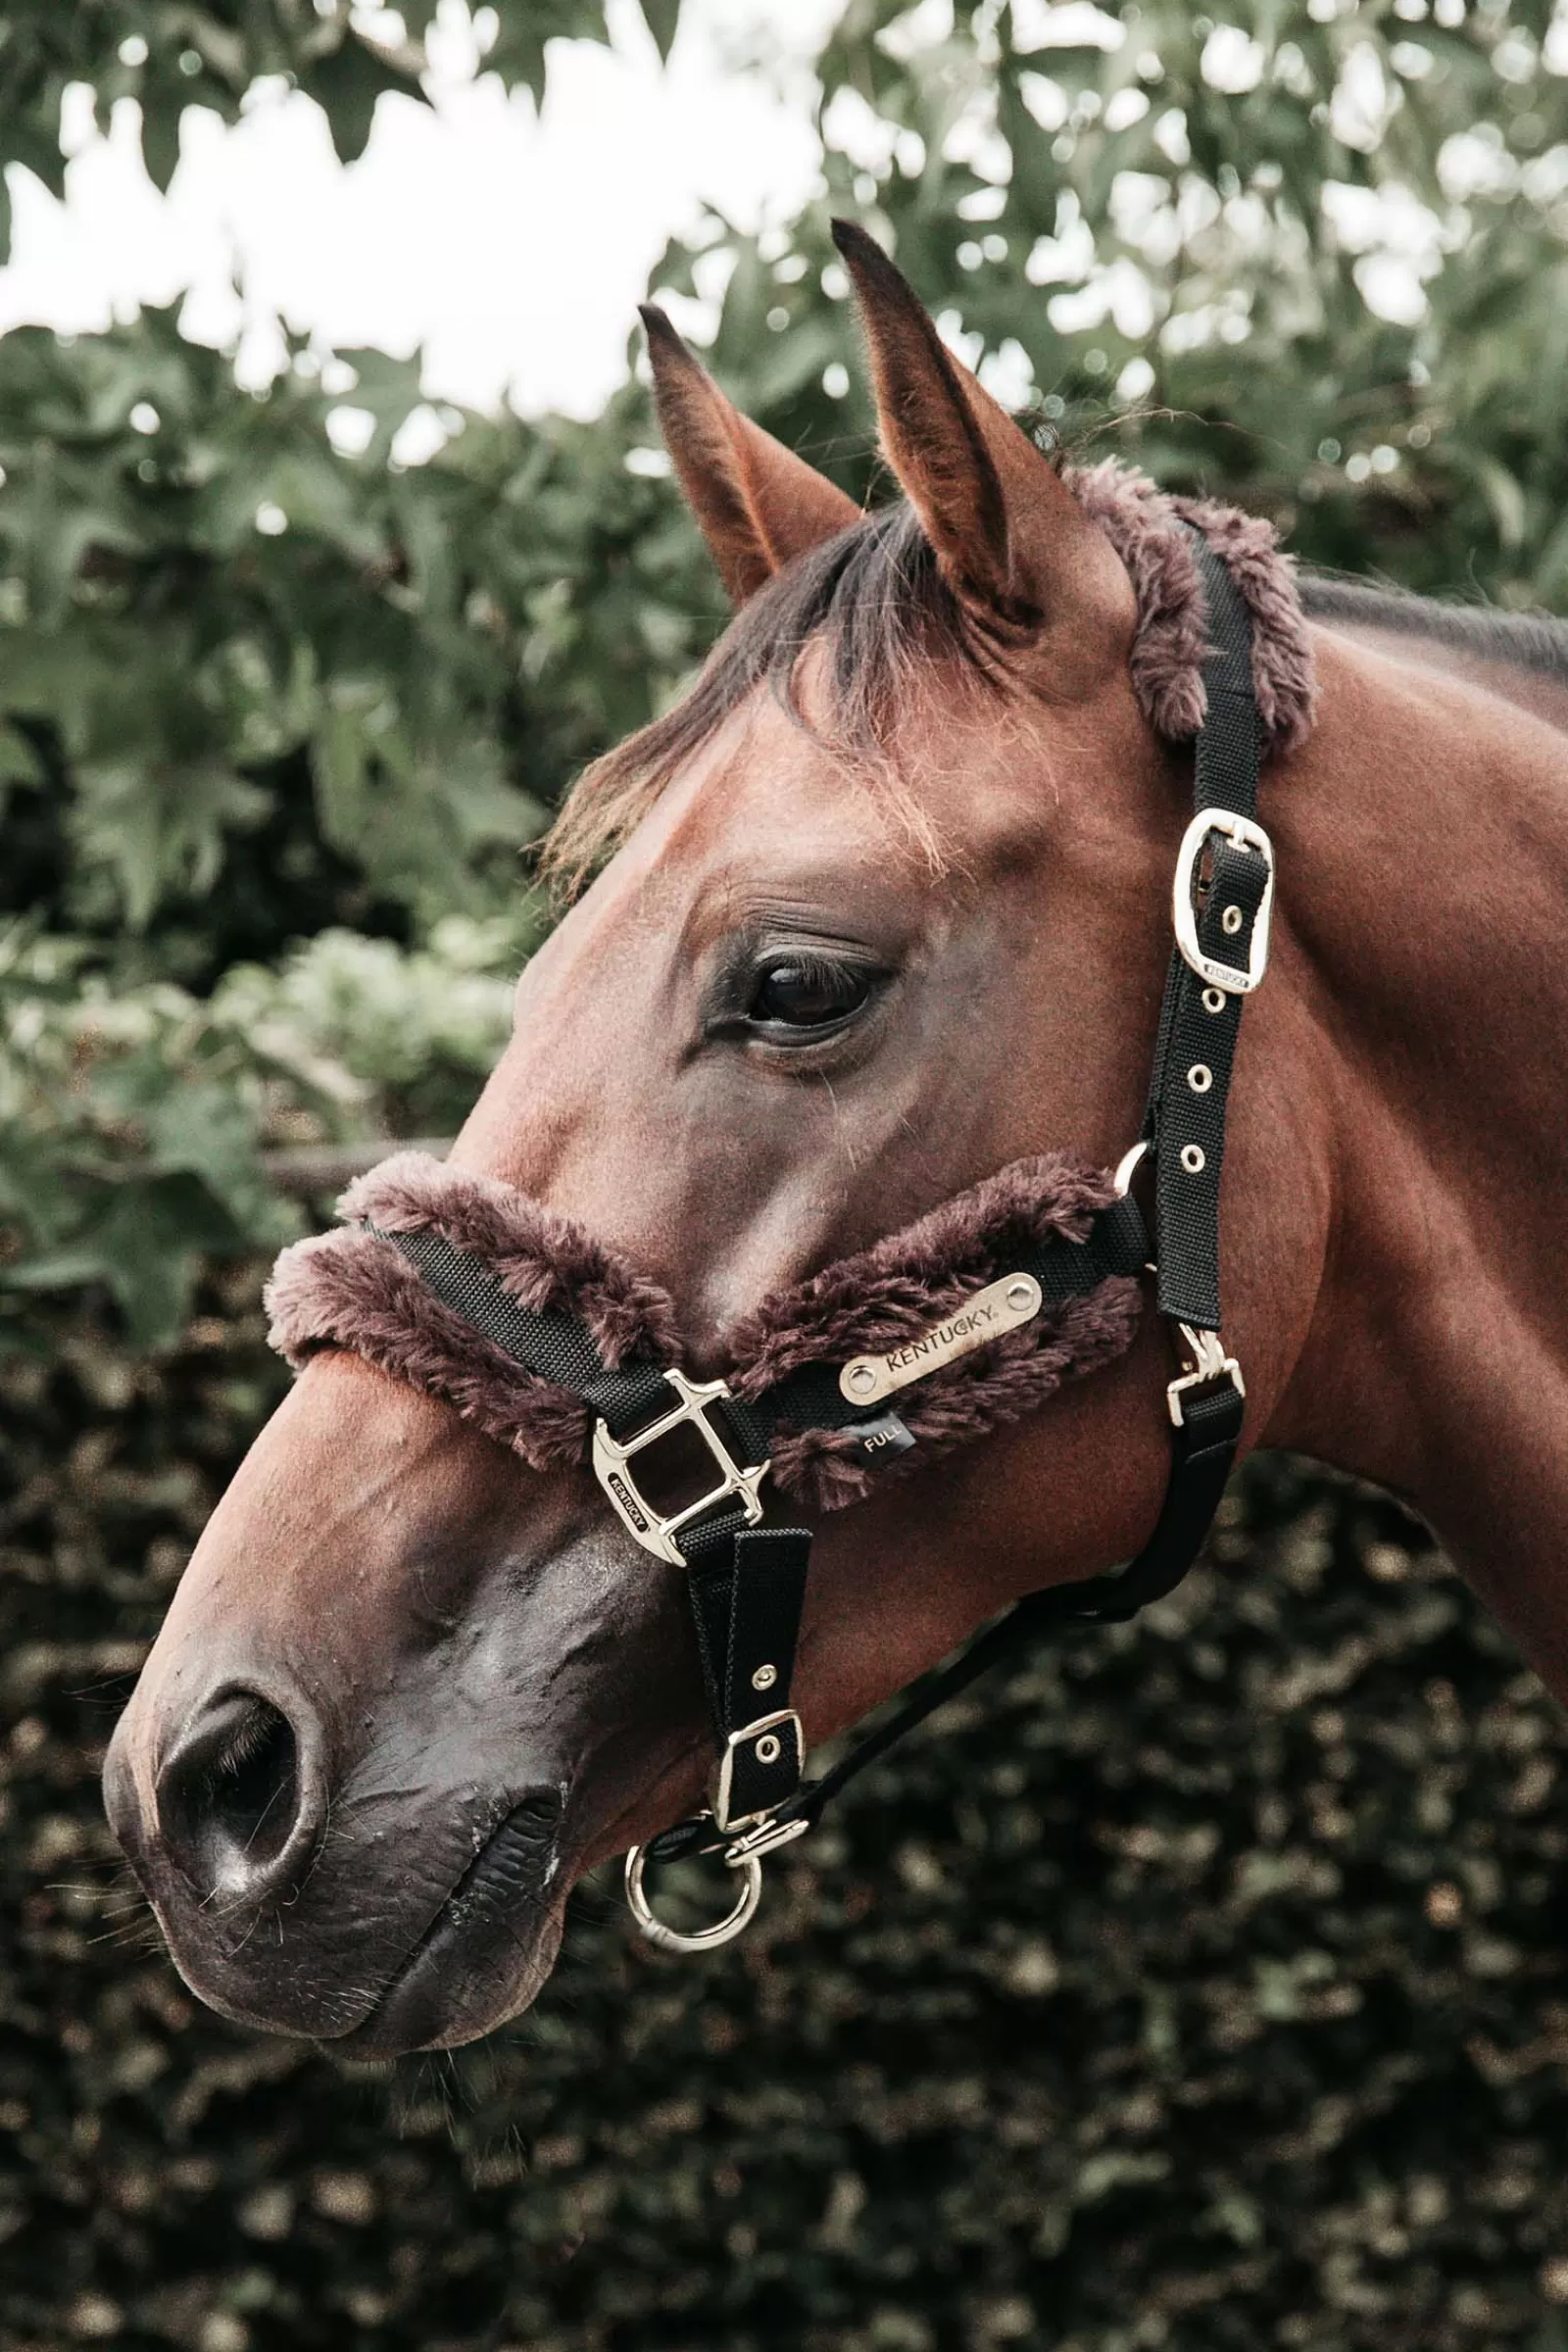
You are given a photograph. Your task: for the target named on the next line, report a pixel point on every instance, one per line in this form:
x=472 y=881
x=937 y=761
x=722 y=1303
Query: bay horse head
x=881 y=908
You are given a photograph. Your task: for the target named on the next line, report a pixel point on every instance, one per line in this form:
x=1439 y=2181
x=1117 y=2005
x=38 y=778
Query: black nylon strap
x=747 y=1584
x=557 y=1348
x=1195 y=1053
x=1205 y=1451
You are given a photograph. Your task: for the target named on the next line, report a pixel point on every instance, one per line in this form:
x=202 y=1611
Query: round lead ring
x=702 y=1940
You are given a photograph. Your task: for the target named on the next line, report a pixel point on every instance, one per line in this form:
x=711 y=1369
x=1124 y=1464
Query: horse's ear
x=758 y=504
x=1009 y=537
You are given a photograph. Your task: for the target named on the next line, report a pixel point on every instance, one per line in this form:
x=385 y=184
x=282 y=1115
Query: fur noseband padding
x=354 y=1290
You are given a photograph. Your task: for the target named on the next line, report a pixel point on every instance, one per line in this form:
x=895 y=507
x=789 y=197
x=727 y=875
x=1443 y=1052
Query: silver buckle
x=724 y=1774
x=1236 y=980
x=1209 y=1363
x=611 y=1467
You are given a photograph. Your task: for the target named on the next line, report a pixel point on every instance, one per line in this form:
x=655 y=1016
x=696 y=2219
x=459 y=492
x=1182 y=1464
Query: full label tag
x=882 y=1439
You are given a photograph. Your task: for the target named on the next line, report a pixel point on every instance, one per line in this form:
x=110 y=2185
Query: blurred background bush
x=1208 y=1987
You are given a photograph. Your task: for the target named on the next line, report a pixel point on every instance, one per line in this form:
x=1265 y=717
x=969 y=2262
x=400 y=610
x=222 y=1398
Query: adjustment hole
x=1199 y=1077
x=765 y=1678
x=1213 y=1000
x=1193 y=1160
x=769 y=1749
x=1231 y=921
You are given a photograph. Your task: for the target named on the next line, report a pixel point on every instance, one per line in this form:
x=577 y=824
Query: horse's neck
x=1424 y=862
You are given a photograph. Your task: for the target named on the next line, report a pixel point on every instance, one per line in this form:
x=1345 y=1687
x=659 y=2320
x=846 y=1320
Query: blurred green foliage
x=1198 y=1986
x=258 y=678
x=165 y=55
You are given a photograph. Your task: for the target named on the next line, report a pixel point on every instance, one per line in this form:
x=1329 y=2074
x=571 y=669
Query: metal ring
x=1231 y=921
x=1127 y=1169
x=704 y=1939
x=1214 y=1000
x=1199 y=1077
x=1194 y=1158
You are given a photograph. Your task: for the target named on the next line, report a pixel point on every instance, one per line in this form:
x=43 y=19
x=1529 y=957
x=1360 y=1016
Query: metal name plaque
x=1000 y=1308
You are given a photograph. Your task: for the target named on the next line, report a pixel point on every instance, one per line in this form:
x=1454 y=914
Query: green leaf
x=346 y=84
x=662 y=17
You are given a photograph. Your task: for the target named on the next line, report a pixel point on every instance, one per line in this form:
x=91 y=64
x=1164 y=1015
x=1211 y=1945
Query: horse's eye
x=796 y=992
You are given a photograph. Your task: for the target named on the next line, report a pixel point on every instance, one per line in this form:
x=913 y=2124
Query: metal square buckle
x=1235 y=979
x=612 y=1457
x=755 y=1733
x=1209 y=1363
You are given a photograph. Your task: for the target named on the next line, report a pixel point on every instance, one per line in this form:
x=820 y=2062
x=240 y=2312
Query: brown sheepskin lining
x=1139 y=520
x=356 y=1291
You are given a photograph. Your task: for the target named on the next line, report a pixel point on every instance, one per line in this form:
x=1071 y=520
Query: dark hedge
x=1201 y=1985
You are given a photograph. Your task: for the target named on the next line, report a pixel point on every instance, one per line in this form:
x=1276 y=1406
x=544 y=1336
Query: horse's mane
x=1533 y=641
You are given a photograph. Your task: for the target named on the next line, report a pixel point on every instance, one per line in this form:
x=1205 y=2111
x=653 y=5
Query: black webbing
x=557 y=1347
x=1205 y=1451
x=747 y=1584
x=1194 y=1056
x=1187 y=1104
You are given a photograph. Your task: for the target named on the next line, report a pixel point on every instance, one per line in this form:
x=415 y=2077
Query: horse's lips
x=471 y=1968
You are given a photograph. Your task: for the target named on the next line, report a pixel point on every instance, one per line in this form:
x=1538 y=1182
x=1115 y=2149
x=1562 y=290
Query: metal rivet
x=1020 y=1294
x=765 y=1678
x=1192 y=1159
x=1199 y=1077
x=1213 y=1000
x=768 y=1748
x=861 y=1378
x=1231 y=921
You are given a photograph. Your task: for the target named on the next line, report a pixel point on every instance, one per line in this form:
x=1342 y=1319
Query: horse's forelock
x=873 y=598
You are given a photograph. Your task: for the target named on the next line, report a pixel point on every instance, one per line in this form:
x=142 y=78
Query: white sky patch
x=513 y=248
x=1069 y=24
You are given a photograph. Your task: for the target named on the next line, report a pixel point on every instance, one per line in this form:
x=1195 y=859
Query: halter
x=553 y=1345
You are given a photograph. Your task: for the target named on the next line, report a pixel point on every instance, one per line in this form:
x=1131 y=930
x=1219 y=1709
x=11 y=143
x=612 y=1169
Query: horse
x=881 y=907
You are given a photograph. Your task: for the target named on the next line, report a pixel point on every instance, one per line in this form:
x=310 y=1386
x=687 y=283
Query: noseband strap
x=460 y=1288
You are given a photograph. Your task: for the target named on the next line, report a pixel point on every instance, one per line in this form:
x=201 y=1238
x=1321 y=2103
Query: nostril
x=253 y=1784
x=229 y=1799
